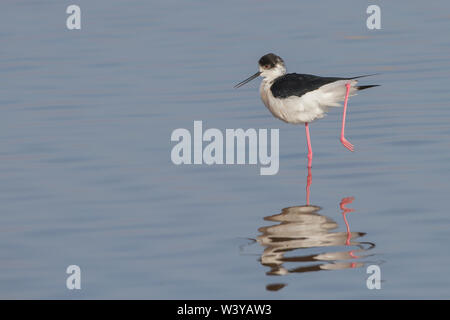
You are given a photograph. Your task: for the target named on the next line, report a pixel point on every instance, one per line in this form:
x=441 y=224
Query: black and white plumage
x=299 y=98
x=294 y=84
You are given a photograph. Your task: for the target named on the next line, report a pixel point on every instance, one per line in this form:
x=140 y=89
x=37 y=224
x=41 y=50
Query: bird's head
x=271 y=67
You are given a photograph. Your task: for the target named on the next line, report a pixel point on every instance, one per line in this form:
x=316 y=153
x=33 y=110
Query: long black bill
x=240 y=84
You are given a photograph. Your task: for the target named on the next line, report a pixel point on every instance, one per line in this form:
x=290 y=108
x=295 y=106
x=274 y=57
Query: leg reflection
x=346 y=210
x=302 y=236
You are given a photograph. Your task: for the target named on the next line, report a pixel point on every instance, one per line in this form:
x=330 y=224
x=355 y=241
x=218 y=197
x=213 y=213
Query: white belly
x=309 y=107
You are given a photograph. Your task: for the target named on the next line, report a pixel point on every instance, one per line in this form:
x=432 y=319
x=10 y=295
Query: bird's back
x=294 y=84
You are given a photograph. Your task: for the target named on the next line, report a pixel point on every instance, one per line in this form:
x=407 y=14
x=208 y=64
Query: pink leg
x=344 y=141
x=308 y=140
x=308 y=185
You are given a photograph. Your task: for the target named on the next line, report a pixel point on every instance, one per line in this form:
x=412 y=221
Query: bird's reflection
x=305 y=238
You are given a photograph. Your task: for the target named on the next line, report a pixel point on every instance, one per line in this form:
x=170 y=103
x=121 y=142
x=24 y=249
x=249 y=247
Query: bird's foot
x=347 y=144
x=346 y=201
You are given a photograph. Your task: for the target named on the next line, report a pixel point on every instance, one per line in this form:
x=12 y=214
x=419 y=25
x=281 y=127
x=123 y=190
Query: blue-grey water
x=86 y=176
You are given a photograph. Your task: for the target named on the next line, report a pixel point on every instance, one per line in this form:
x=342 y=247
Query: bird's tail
x=363 y=76
x=367 y=87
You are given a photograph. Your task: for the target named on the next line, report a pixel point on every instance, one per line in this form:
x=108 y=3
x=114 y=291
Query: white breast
x=309 y=107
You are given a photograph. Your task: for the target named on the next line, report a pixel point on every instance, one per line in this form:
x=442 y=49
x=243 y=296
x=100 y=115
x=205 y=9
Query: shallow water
x=87 y=179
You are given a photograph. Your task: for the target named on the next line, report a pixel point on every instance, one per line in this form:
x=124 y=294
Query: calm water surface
x=86 y=176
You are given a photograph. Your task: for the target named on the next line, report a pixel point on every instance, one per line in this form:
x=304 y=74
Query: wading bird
x=302 y=98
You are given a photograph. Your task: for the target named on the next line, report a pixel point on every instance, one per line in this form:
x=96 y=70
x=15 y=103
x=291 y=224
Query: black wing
x=294 y=84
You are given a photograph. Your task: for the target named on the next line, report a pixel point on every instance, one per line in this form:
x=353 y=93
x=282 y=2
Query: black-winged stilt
x=302 y=98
